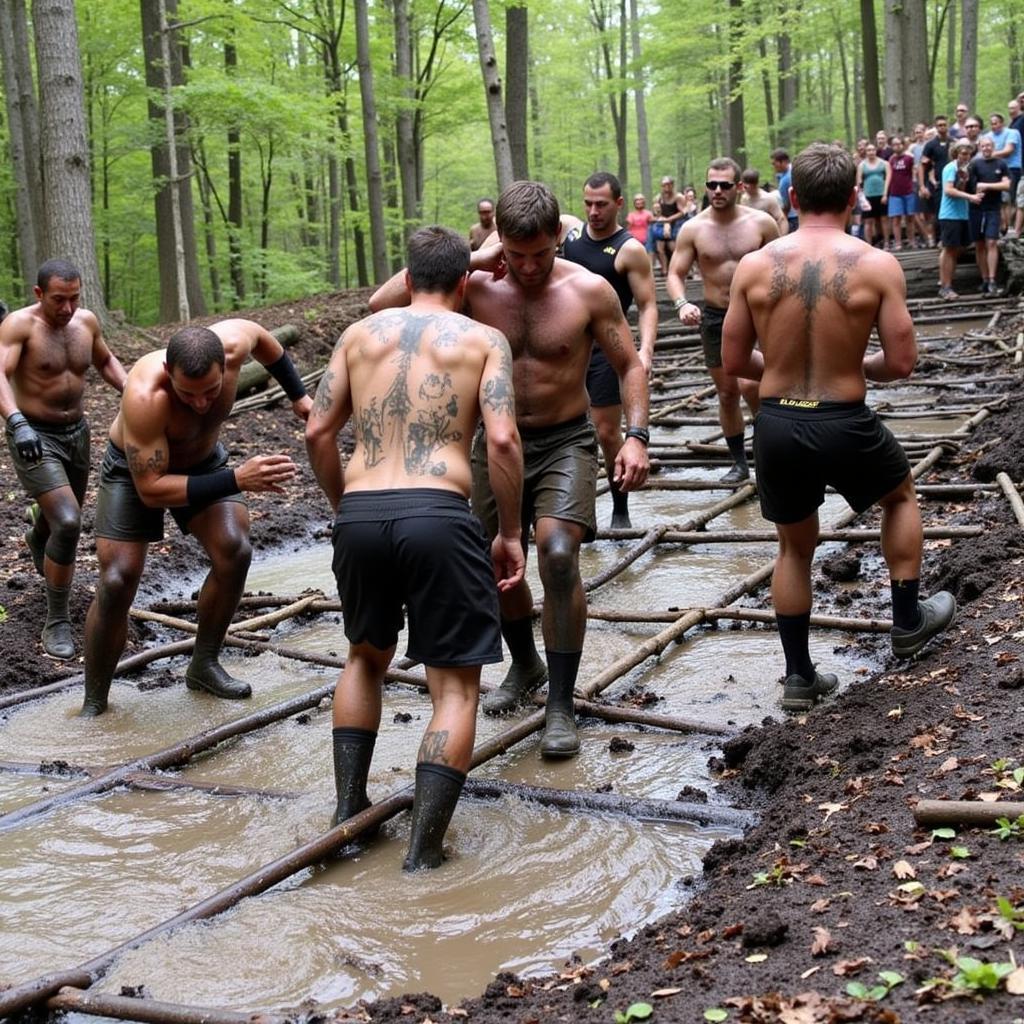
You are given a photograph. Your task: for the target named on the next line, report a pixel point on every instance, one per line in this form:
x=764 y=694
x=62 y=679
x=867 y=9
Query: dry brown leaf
x=989 y=798
x=1015 y=982
x=846 y=968
x=965 y=922
x=949 y=765
x=706 y=936
x=732 y=930
x=809 y=972
x=903 y=870
x=681 y=956
x=868 y=863
x=815 y=880
x=831 y=809
x=623 y=967
x=822 y=943
x=664 y=993
x=943 y=895
x=820 y=906
x=917 y=848
x=876 y=828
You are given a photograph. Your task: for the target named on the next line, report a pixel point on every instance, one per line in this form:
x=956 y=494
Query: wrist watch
x=680 y=302
x=642 y=434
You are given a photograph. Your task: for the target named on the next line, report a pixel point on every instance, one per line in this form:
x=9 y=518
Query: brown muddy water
x=525 y=887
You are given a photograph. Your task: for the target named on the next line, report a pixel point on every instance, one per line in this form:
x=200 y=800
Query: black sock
x=518 y=634
x=794 y=631
x=905 y=613
x=735 y=444
x=620 y=499
x=563 y=668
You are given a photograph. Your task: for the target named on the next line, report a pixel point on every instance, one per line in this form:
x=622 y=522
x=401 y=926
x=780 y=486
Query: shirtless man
x=756 y=197
x=552 y=312
x=717 y=238
x=479 y=232
x=812 y=301
x=45 y=351
x=416 y=382
x=164 y=453
x=603 y=246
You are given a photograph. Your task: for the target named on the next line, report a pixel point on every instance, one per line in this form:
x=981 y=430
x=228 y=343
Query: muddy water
x=525 y=887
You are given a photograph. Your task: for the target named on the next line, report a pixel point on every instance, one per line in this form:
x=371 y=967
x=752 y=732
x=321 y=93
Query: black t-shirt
x=988 y=171
x=937 y=152
x=599 y=258
x=1018 y=123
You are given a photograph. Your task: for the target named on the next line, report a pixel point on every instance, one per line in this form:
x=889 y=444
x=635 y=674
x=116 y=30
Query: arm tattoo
x=324 y=398
x=498 y=392
x=156 y=463
x=432 y=749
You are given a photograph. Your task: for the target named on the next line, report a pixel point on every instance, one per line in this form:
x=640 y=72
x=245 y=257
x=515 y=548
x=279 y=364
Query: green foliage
x=1007 y=829
x=979 y=976
x=889 y=980
x=638 y=1011
x=1011 y=914
x=943 y=833
x=3 y=614
x=716 y=1013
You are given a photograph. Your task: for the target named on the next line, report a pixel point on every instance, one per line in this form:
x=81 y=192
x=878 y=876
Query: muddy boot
x=57 y=640
x=211 y=677
x=560 y=738
x=620 y=509
x=353 y=751
x=95 y=698
x=935 y=615
x=526 y=674
x=437 y=792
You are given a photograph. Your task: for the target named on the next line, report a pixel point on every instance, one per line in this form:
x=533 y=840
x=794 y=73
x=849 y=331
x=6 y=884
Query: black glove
x=26 y=440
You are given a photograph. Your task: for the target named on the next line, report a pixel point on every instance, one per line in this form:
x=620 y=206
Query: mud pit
x=508 y=859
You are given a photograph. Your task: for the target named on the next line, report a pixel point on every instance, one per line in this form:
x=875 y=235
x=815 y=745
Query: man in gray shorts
x=552 y=312
x=415 y=382
x=164 y=453
x=45 y=351
x=796 y=297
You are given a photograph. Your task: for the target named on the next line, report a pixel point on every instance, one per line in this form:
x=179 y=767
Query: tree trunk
x=787 y=81
x=968 y=53
x=642 y=142
x=892 y=114
x=1016 y=64
x=536 y=125
x=374 y=183
x=517 y=63
x=209 y=235
x=845 y=69
x=163 y=72
x=917 y=90
x=869 y=39
x=235 y=261
x=737 y=132
x=766 y=85
x=21 y=108
x=405 y=139
x=65 y=154
x=492 y=89
x=951 y=50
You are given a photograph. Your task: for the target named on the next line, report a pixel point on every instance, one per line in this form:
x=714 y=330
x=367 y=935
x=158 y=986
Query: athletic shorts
x=420 y=548
x=65 y=461
x=903 y=206
x=878 y=208
x=602 y=380
x=954 y=234
x=1020 y=194
x=984 y=223
x=122 y=515
x=1010 y=195
x=799 y=449
x=559 y=477
x=711 y=321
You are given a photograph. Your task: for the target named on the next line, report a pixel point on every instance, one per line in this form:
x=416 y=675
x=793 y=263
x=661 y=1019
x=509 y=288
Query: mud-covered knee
x=65 y=529
x=559 y=566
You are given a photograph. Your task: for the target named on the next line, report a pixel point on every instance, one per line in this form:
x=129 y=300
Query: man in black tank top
x=609 y=250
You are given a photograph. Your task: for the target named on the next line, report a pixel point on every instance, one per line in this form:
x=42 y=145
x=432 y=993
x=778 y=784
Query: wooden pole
x=973 y=813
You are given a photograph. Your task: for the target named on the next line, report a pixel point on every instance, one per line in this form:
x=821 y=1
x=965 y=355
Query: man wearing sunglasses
x=717 y=238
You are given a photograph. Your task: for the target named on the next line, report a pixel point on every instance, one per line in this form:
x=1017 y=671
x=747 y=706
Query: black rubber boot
x=560 y=737
x=353 y=751
x=437 y=792
x=37 y=548
x=212 y=678
x=525 y=676
x=57 y=640
x=95 y=698
x=620 y=508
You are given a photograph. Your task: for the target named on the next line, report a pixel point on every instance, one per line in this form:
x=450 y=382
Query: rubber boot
x=620 y=508
x=37 y=548
x=57 y=640
x=96 y=695
x=526 y=674
x=206 y=673
x=437 y=792
x=353 y=751
x=560 y=737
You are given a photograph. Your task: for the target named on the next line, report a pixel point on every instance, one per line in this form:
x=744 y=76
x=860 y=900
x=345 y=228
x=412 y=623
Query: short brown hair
x=726 y=163
x=751 y=176
x=193 y=350
x=823 y=178
x=526 y=209
x=438 y=259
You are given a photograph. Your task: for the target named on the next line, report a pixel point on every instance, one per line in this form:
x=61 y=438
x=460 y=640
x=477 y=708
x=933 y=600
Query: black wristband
x=642 y=434
x=206 y=488
x=16 y=419
x=284 y=372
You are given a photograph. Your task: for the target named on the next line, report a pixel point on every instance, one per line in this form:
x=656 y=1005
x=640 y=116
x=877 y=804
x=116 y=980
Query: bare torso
x=49 y=378
x=765 y=202
x=478 y=235
x=814 y=297
x=721 y=242
x=550 y=333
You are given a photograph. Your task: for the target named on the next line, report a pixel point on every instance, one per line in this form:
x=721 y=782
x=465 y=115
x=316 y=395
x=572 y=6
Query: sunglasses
x=714 y=186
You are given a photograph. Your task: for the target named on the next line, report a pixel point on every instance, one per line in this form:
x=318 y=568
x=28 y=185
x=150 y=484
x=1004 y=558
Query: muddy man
x=164 y=452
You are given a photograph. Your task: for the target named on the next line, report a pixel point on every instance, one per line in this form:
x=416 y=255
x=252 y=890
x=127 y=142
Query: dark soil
x=820 y=893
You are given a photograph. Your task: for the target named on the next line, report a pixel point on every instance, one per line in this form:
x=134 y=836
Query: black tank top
x=599 y=258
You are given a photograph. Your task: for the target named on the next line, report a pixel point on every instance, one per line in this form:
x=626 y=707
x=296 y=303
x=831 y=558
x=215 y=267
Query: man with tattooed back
x=164 y=452
x=415 y=382
x=812 y=300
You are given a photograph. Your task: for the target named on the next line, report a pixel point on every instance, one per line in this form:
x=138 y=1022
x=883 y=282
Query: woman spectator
x=874 y=176
x=638 y=221
x=902 y=201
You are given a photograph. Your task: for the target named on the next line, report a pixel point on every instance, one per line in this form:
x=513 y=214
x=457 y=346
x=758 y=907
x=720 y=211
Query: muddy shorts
x=799 y=449
x=423 y=549
x=602 y=381
x=559 y=477
x=121 y=513
x=711 y=321
x=65 y=461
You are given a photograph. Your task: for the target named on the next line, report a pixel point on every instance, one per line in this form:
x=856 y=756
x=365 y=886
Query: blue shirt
x=1002 y=139
x=784 y=185
x=952 y=208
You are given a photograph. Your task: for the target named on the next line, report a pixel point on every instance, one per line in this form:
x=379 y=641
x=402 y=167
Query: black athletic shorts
x=559 y=477
x=954 y=234
x=602 y=380
x=122 y=515
x=65 y=461
x=802 y=446
x=711 y=321
x=419 y=547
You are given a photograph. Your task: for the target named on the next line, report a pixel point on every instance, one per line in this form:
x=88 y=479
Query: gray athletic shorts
x=65 y=461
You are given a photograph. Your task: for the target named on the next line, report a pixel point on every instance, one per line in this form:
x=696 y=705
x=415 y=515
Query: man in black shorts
x=812 y=300
x=606 y=248
x=164 y=452
x=45 y=351
x=415 y=382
